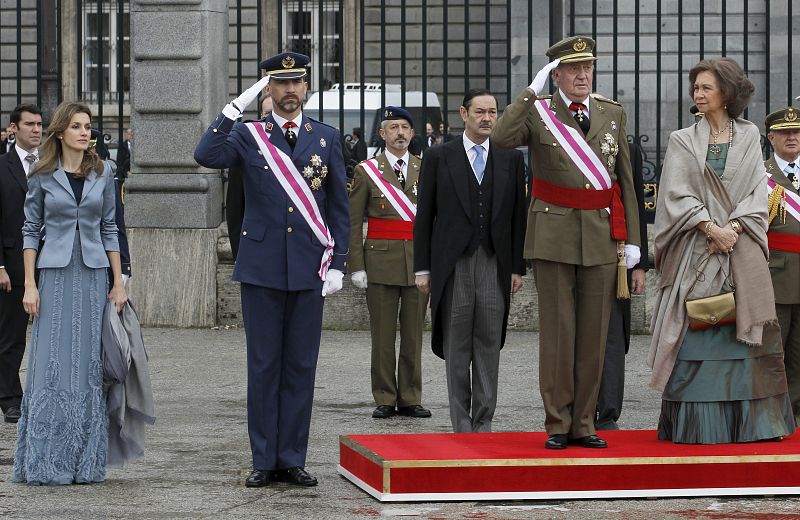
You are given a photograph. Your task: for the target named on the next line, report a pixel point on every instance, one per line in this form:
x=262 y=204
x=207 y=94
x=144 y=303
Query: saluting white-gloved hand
x=235 y=108
x=632 y=255
x=359 y=279
x=541 y=77
x=333 y=282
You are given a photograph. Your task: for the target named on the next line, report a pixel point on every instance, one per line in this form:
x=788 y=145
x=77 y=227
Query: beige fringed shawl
x=689 y=193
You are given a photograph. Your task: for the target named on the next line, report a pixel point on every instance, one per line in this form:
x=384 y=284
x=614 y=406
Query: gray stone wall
x=347 y=309
x=173 y=205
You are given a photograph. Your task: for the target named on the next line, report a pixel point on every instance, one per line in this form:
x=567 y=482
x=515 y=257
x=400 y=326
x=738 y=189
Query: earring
x=61 y=137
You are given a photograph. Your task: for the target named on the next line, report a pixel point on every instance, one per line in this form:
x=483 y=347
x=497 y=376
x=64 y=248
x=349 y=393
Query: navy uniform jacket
x=277 y=248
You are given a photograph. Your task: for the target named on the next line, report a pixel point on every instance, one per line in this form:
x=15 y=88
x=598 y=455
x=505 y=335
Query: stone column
x=179 y=74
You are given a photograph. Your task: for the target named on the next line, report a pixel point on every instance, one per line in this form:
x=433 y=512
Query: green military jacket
x=387 y=262
x=784 y=266
x=561 y=234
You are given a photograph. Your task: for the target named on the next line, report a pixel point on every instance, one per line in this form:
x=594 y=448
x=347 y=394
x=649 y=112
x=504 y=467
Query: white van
x=374 y=100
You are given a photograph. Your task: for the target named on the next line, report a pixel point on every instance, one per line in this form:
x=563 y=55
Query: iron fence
x=418 y=46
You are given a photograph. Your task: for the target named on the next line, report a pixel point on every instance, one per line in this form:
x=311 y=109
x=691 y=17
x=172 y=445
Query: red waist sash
x=783 y=242
x=386 y=229
x=586 y=199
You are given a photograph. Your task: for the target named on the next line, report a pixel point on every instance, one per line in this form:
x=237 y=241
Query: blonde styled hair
x=50 y=151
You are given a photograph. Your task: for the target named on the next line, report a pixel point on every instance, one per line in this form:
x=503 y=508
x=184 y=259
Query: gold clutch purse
x=711 y=311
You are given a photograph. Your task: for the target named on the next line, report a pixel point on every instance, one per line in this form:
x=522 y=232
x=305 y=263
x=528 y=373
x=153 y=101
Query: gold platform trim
x=621 y=461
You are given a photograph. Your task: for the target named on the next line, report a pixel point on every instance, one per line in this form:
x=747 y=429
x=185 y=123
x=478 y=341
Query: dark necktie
x=398 y=170
x=291 y=137
x=791 y=173
x=580 y=116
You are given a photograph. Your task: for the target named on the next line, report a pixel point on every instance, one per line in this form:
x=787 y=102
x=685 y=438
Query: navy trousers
x=283 y=331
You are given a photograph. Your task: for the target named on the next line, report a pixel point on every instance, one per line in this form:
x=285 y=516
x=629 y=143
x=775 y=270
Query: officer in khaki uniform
x=383 y=265
x=574 y=255
x=784 y=239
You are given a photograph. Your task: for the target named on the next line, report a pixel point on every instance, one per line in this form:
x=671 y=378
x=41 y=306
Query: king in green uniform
x=784 y=238
x=385 y=192
x=578 y=224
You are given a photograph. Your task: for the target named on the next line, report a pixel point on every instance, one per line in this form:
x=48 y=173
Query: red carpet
x=515 y=465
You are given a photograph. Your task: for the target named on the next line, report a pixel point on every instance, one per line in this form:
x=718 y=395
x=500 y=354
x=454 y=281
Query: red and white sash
x=576 y=147
x=396 y=198
x=296 y=188
x=792 y=199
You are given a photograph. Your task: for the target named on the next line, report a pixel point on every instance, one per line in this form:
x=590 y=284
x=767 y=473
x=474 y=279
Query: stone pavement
x=198 y=452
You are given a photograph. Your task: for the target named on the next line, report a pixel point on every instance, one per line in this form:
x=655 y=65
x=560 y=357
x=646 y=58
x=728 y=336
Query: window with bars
x=312 y=30
x=106 y=42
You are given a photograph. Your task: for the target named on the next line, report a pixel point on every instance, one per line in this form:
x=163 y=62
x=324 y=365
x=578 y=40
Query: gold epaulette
x=599 y=97
x=776 y=204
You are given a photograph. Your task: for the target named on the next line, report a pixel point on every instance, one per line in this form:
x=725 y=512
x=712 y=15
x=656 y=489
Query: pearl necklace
x=715 y=148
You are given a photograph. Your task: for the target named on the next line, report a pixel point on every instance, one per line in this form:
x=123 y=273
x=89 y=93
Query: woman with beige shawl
x=726 y=383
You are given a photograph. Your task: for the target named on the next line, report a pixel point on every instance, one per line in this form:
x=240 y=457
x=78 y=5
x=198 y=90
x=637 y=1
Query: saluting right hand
x=541 y=77
x=235 y=108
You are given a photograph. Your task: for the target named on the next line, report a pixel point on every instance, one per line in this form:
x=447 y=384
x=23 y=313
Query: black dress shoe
x=12 y=414
x=259 y=478
x=592 y=441
x=556 y=442
x=296 y=476
x=383 y=411
x=413 y=411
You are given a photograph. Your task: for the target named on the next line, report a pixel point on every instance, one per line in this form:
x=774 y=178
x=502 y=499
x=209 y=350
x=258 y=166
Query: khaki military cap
x=573 y=49
x=783 y=119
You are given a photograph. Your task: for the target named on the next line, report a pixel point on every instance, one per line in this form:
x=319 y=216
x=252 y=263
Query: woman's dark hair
x=473 y=93
x=733 y=82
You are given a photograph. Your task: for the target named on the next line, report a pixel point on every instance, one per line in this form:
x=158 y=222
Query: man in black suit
x=3 y=141
x=124 y=156
x=468 y=237
x=359 y=147
x=26 y=122
x=612 y=383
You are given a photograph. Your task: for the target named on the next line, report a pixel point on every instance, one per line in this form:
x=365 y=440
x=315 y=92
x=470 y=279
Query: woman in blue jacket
x=63 y=432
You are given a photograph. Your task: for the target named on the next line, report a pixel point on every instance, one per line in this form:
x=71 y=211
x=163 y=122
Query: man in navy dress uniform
x=292 y=251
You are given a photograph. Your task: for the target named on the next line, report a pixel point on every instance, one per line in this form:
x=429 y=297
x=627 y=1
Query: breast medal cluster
x=315 y=172
x=609 y=148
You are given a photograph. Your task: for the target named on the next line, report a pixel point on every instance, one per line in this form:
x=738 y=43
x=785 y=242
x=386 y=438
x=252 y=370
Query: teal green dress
x=722 y=390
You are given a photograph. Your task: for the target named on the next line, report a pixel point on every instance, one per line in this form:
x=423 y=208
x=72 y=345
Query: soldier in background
x=783 y=167
x=385 y=192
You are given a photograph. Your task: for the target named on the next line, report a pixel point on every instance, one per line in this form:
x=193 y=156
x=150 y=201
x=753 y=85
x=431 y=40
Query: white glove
x=359 y=279
x=235 y=108
x=632 y=255
x=541 y=77
x=333 y=282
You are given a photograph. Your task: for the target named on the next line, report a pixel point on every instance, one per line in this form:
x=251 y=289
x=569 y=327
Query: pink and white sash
x=576 y=147
x=396 y=198
x=296 y=188
x=792 y=199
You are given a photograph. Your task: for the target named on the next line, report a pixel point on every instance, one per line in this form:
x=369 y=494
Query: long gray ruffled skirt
x=63 y=431
x=722 y=390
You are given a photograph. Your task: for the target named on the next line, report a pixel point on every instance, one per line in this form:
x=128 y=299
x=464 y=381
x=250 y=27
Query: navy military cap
x=390 y=113
x=286 y=65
